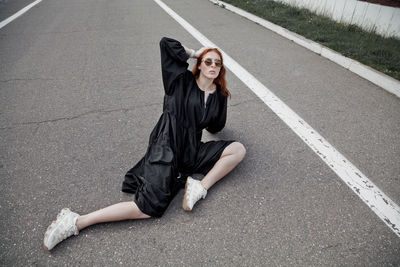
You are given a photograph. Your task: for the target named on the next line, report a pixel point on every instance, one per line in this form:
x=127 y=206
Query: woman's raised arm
x=173 y=62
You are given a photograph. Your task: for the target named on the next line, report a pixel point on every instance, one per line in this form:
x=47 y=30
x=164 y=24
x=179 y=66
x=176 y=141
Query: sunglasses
x=209 y=61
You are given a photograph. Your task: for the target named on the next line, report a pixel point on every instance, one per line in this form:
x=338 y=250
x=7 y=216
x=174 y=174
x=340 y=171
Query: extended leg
x=69 y=223
x=117 y=212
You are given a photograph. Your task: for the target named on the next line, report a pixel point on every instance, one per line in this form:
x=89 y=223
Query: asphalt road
x=80 y=91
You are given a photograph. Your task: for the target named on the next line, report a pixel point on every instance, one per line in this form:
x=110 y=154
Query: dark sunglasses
x=209 y=61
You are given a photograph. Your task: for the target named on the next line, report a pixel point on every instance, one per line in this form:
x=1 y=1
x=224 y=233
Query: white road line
x=19 y=13
x=381 y=204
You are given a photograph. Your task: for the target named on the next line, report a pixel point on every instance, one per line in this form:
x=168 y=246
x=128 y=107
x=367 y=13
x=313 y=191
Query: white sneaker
x=62 y=228
x=193 y=192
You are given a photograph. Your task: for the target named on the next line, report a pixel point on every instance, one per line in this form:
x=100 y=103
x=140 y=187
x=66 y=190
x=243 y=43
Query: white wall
x=384 y=20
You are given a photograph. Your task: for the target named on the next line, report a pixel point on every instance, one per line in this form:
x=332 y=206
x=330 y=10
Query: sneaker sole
x=59 y=215
x=184 y=202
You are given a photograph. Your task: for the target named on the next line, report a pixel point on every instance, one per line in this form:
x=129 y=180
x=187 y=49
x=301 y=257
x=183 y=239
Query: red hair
x=220 y=80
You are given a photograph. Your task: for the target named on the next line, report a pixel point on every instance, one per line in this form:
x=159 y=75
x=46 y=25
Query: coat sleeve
x=173 y=62
x=218 y=123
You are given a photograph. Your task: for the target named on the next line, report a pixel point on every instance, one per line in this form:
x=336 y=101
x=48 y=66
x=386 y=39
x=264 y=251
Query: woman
x=193 y=101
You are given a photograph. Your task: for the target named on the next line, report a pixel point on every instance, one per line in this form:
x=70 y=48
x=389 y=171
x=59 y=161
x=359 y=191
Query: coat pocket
x=161 y=154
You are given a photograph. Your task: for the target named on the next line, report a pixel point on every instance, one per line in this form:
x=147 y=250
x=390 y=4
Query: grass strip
x=369 y=48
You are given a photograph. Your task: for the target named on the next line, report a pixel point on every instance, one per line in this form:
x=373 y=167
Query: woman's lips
x=212 y=72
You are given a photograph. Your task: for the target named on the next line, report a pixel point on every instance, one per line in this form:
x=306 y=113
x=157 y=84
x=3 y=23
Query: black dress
x=175 y=149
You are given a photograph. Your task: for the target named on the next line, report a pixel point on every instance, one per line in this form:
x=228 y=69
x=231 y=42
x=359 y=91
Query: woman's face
x=211 y=71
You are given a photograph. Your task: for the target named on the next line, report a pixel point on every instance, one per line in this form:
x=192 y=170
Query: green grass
x=382 y=54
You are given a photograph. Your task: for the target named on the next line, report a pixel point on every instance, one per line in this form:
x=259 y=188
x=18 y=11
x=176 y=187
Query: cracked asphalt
x=80 y=92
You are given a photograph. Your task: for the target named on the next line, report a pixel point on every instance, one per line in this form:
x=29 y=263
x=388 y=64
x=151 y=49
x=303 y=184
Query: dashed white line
x=19 y=13
x=380 y=203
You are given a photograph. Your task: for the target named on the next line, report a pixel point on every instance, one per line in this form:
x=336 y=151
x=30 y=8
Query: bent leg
x=117 y=212
x=231 y=156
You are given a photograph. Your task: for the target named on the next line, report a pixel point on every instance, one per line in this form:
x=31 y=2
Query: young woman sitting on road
x=194 y=100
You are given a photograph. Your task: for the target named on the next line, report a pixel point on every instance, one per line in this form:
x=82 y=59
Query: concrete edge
x=382 y=80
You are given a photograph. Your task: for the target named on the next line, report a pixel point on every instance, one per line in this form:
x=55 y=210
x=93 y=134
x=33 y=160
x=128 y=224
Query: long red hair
x=220 y=80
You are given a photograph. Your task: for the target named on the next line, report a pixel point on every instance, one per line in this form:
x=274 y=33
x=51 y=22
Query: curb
x=384 y=81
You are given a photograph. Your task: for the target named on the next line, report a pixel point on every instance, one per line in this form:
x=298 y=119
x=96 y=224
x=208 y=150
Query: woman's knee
x=240 y=150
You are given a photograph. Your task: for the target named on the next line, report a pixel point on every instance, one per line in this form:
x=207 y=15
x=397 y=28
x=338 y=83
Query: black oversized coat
x=175 y=149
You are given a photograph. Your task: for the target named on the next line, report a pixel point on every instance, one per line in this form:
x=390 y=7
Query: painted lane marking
x=379 y=202
x=19 y=13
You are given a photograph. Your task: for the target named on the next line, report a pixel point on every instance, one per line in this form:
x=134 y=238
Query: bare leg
x=232 y=155
x=117 y=212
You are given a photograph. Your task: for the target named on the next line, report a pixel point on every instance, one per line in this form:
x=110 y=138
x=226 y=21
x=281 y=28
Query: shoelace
x=68 y=230
x=195 y=191
x=66 y=233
